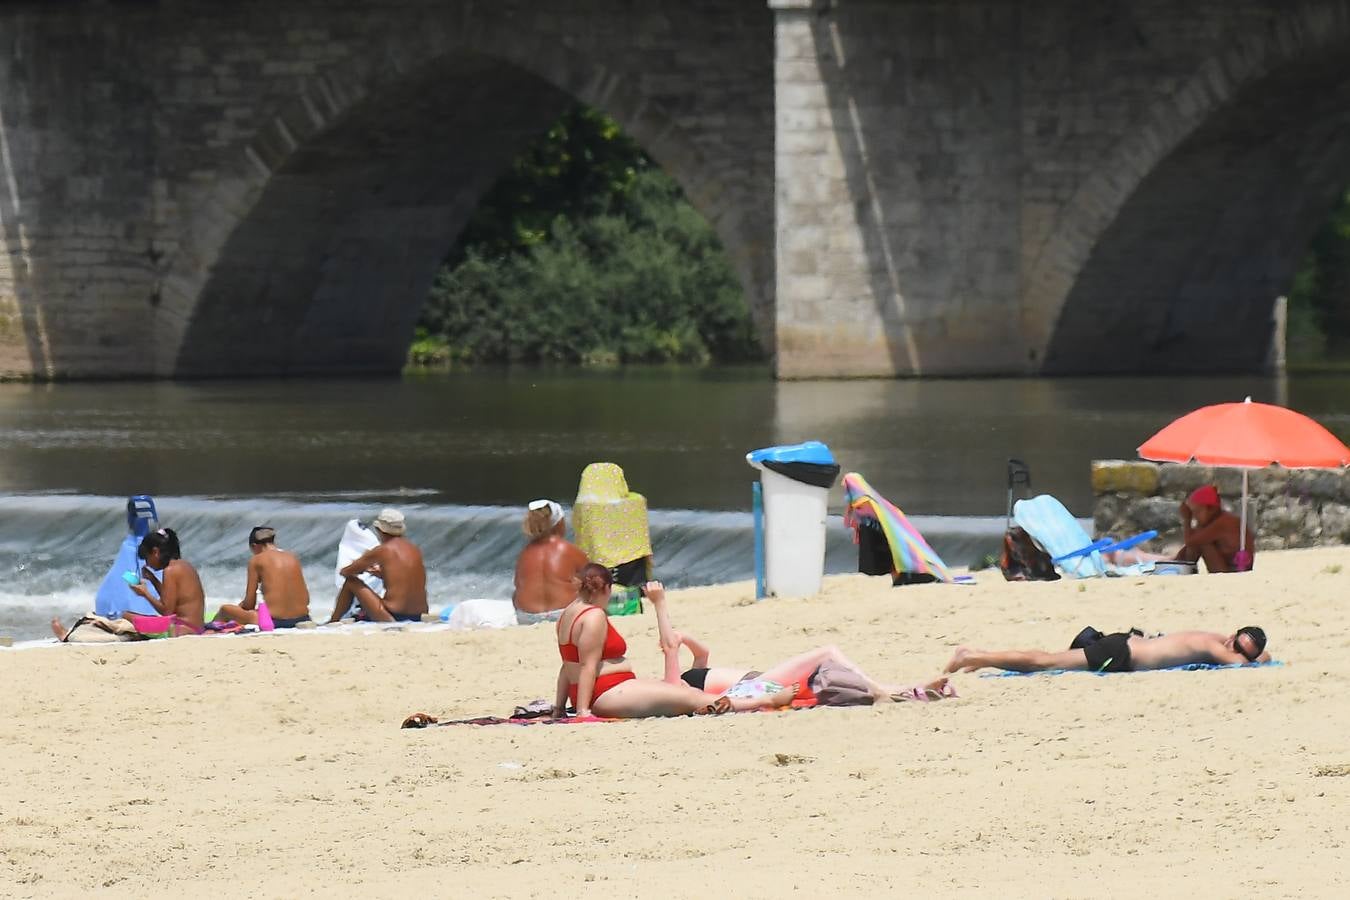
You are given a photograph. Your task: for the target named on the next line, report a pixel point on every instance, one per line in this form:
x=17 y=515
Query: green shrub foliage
x=585 y=253
x=1319 y=301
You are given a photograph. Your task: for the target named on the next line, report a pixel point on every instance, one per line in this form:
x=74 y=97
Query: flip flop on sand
x=419 y=720
x=718 y=707
x=924 y=693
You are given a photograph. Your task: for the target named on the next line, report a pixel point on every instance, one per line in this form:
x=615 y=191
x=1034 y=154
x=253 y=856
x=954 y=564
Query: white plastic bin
x=796 y=485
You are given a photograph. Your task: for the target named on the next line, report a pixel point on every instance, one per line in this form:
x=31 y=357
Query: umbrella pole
x=1242 y=535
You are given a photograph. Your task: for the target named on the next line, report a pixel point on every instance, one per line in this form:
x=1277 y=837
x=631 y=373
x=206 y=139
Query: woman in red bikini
x=598 y=679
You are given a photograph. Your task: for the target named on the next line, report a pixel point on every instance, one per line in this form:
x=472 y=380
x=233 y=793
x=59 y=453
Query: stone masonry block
x=1122 y=476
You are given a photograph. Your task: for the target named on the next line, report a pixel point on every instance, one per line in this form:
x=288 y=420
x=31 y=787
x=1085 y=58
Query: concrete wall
x=1286 y=507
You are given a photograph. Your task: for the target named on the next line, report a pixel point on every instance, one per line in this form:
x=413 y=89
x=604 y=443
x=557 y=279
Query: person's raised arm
x=148 y=574
x=560 y=694
x=364 y=563
x=251 y=584
x=167 y=601
x=1221 y=655
x=1196 y=538
x=590 y=642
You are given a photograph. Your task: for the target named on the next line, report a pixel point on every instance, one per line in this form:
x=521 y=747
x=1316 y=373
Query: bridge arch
x=1169 y=257
x=317 y=246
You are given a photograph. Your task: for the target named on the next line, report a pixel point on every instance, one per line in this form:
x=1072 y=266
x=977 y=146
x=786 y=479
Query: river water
x=462 y=453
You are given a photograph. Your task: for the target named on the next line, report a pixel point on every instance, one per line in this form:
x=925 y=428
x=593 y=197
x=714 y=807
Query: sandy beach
x=274 y=766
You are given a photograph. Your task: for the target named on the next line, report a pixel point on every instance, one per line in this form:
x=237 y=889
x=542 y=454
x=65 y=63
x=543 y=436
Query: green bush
x=585 y=253
x=1319 y=300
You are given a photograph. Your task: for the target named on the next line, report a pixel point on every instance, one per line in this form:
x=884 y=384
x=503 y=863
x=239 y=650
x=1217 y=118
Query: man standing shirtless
x=1125 y=653
x=281 y=578
x=398 y=563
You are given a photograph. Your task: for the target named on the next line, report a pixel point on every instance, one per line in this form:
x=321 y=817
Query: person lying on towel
x=799 y=669
x=1125 y=652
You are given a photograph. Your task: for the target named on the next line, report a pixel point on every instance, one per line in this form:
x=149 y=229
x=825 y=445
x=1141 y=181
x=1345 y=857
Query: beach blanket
x=1188 y=667
x=422 y=720
x=910 y=553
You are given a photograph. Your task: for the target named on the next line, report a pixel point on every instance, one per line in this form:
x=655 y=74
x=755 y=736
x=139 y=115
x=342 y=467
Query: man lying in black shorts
x=1125 y=652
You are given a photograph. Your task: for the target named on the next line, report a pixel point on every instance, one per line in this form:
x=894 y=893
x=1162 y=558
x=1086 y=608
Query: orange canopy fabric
x=1250 y=435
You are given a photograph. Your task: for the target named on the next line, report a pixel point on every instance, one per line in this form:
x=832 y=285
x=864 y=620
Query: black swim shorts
x=696 y=678
x=1109 y=654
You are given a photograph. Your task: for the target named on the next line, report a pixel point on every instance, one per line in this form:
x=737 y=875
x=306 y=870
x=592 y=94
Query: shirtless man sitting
x=547 y=567
x=1122 y=652
x=281 y=578
x=398 y=563
x=1210 y=533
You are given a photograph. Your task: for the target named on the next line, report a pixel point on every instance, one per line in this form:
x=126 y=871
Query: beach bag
x=1023 y=560
x=624 y=601
x=874 y=553
x=95 y=629
x=835 y=685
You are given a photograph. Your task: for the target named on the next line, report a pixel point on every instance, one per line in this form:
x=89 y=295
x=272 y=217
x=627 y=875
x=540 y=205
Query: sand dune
x=274 y=767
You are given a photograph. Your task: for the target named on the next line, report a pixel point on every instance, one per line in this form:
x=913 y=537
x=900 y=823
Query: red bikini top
x=615 y=645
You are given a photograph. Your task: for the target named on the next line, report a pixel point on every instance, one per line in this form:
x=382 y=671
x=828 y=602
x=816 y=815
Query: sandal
x=419 y=720
x=718 y=707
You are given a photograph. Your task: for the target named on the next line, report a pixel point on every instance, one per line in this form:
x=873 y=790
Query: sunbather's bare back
x=283 y=583
x=544 y=574
x=1181 y=648
x=404 y=575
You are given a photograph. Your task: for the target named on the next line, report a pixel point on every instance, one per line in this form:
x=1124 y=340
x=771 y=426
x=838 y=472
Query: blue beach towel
x=1189 y=667
x=1059 y=534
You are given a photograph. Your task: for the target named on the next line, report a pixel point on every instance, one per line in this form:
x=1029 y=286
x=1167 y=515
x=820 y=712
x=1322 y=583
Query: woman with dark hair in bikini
x=179 y=597
x=597 y=678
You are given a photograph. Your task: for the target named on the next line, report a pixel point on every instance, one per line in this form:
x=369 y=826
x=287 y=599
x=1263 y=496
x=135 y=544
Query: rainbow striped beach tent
x=909 y=551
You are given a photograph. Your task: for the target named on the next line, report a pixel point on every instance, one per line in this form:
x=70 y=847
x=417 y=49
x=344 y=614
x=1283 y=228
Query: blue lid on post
x=810 y=462
x=808 y=452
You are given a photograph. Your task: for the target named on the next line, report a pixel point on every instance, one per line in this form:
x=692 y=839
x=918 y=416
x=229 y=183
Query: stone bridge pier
x=1049 y=187
x=936 y=187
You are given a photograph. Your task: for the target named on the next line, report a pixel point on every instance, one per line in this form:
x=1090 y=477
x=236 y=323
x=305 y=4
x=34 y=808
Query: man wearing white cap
x=398 y=563
x=545 y=568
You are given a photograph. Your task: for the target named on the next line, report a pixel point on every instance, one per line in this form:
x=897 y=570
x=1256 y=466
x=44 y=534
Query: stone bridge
x=195 y=188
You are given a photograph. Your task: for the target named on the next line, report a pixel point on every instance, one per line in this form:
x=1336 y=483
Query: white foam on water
x=56 y=548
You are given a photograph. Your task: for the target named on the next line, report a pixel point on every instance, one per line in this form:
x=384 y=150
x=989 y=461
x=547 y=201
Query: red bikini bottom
x=602 y=684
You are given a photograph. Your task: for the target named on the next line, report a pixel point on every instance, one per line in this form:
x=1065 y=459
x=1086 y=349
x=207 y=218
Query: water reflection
x=503 y=437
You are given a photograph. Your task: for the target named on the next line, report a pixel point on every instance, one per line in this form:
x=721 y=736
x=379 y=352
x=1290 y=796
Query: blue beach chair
x=1070 y=547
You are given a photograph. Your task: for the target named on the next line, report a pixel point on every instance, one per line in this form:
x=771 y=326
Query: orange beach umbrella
x=1249 y=436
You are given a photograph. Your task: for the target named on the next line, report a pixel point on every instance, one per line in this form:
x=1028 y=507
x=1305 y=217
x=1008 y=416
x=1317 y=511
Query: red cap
x=1205 y=495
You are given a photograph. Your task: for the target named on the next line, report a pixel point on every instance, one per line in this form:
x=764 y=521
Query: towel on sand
x=1188 y=667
